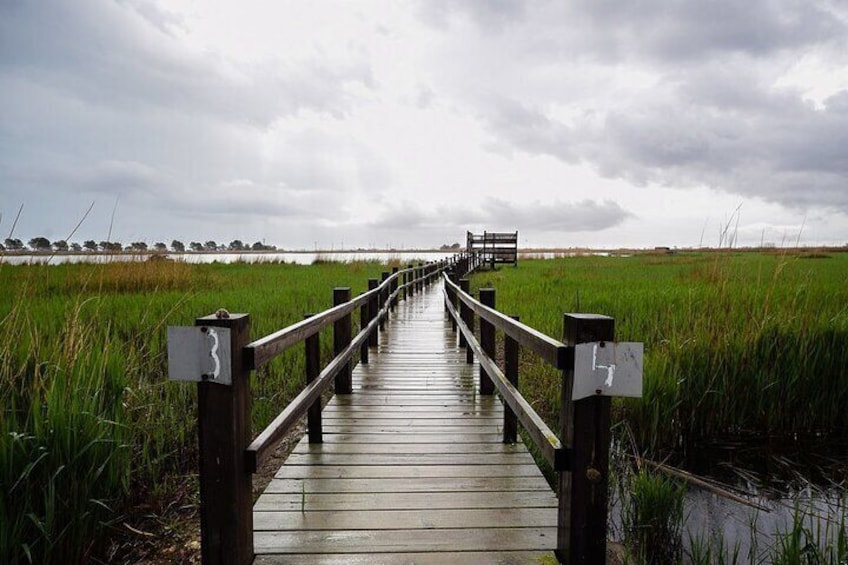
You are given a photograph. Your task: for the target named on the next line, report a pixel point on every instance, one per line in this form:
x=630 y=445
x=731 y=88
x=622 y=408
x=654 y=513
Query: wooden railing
x=228 y=453
x=580 y=455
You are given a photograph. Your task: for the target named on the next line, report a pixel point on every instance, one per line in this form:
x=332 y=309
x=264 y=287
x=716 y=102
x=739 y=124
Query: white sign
x=199 y=354
x=607 y=369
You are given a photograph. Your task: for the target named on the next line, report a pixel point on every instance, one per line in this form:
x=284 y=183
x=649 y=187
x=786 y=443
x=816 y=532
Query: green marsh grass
x=741 y=345
x=90 y=427
x=652 y=517
x=739 y=348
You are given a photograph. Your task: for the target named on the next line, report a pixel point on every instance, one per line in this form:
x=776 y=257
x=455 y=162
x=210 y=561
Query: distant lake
x=299 y=258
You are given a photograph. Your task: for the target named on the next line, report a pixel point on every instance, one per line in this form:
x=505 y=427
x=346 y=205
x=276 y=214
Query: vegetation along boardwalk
x=412 y=468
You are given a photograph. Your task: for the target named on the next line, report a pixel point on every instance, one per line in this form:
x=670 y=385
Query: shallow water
x=299 y=258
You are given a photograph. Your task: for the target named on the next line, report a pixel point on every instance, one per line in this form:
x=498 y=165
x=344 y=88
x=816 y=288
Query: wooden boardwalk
x=412 y=468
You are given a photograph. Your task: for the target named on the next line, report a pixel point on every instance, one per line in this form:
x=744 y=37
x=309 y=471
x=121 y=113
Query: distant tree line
x=43 y=245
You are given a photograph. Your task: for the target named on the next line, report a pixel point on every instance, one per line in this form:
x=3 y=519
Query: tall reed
x=90 y=426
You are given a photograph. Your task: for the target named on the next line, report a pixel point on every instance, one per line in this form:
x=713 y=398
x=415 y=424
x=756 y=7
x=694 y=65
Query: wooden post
x=373 y=308
x=395 y=287
x=420 y=277
x=452 y=296
x=384 y=298
x=511 y=352
x=313 y=368
x=405 y=292
x=226 y=498
x=463 y=286
x=341 y=339
x=467 y=315
x=363 y=323
x=582 y=519
x=487 y=340
x=412 y=279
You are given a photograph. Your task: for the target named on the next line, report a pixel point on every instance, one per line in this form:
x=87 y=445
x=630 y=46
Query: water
x=299 y=258
x=713 y=517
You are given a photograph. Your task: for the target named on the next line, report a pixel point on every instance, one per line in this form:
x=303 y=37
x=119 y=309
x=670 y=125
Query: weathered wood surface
x=412 y=468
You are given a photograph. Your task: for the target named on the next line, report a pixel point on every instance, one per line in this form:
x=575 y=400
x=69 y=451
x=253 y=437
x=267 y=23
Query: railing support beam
x=313 y=369
x=226 y=498
x=582 y=517
x=487 y=340
x=512 y=350
x=373 y=308
x=341 y=339
x=467 y=315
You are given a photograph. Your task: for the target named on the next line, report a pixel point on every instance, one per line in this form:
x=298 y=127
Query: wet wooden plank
x=403 y=519
x=434 y=429
x=410 y=484
x=304 y=502
x=518 y=458
x=410 y=438
x=389 y=471
x=383 y=541
x=440 y=558
x=409 y=449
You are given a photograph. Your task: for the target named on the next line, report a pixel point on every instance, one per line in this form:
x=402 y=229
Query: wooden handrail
x=545 y=439
x=549 y=349
x=580 y=454
x=259 y=448
x=261 y=351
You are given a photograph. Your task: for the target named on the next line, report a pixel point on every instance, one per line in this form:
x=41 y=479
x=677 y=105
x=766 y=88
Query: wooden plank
x=403 y=501
x=389 y=471
x=439 y=558
x=388 y=411
x=408 y=459
x=382 y=541
x=410 y=449
x=406 y=429
x=300 y=486
x=411 y=438
x=404 y=519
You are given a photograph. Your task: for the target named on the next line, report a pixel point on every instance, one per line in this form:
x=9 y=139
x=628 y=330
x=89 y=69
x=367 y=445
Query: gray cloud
x=782 y=149
x=495 y=213
x=708 y=113
x=123 y=56
x=667 y=32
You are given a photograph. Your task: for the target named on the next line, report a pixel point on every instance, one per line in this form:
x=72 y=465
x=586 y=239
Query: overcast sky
x=600 y=123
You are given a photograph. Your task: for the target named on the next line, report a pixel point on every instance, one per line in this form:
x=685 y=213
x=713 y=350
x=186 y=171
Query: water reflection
x=298 y=258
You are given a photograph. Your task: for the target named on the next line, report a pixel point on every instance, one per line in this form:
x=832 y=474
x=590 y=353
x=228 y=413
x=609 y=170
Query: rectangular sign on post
x=607 y=369
x=199 y=354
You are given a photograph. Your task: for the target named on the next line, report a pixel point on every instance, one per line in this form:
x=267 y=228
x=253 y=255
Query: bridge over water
x=416 y=458
x=412 y=468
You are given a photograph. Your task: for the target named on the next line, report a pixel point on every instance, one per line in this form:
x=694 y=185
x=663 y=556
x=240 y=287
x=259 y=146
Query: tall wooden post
x=464 y=285
x=487 y=340
x=405 y=292
x=395 y=287
x=313 y=368
x=341 y=339
x=373 y=308
x=384 y=298
x=452 y=297
x=363 y=323
x=467 y=315
x=226 y=498
x=582 y=518
x=512 y=349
